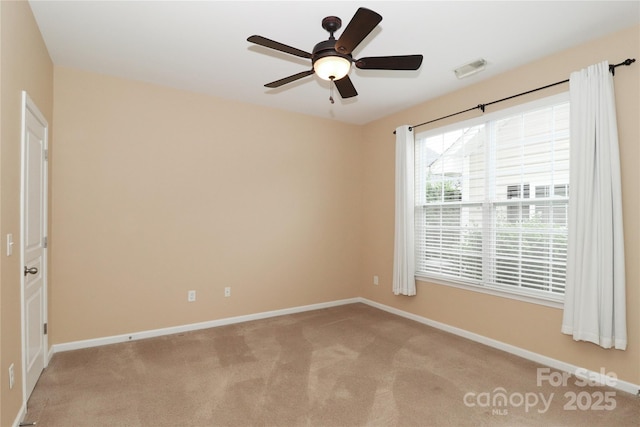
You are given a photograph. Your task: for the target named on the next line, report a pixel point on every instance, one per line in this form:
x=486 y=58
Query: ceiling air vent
x=470 y=68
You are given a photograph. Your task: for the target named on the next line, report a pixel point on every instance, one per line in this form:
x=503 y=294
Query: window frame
x=520 y=294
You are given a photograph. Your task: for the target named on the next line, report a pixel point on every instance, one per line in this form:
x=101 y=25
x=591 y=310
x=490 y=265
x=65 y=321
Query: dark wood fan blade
x=401 y=62
x=362 y=23
x=345 y=87
x=263 y=41
x=290 y=79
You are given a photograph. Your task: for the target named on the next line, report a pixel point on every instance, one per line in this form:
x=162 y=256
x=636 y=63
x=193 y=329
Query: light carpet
x=352 y=365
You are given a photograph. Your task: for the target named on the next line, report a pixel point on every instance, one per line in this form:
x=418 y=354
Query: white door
x=33 y=243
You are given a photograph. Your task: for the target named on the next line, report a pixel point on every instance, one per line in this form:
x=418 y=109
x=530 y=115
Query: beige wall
x=529 y=326
x=25 y=65
x=158 y=191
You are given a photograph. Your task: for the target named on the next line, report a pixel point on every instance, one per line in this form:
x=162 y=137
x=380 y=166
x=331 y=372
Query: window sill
x=530 y=298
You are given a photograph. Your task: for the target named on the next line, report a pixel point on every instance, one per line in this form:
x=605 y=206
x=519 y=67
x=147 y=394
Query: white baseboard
x=76 y=345
x=582 y=373
x=526 y=354
x=21 y=415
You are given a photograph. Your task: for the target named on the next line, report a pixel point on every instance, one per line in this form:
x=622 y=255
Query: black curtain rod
x=612 y=69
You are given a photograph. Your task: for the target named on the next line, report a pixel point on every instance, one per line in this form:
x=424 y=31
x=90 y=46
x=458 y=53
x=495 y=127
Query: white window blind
x=491 y=201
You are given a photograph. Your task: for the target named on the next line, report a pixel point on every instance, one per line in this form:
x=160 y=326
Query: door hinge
x=45 y=242
x=45 y=329
x=46 y=155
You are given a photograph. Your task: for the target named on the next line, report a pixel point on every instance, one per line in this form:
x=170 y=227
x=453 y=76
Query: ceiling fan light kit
x=332 y=67
x=331 y=59
x=470 y=68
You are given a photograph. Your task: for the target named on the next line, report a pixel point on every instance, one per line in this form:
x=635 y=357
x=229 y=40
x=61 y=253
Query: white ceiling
x=201 y=46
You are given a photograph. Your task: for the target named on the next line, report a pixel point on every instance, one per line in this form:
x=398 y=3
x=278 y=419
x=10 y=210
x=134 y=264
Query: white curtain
x=404 y=252
x=594 y=307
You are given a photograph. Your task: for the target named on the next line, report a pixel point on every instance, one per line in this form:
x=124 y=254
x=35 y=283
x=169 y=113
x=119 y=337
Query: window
x=491 y=201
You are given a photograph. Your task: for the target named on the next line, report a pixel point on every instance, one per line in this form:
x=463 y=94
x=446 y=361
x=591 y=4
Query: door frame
x=29 y=105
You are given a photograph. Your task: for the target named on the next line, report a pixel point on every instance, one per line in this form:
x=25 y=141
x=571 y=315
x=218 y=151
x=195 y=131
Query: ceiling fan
x=331 y=59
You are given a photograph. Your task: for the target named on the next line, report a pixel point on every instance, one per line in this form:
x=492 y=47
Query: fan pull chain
x=331 y=84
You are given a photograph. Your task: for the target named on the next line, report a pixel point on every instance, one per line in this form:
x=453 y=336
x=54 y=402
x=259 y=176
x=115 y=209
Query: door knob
x=32 y=270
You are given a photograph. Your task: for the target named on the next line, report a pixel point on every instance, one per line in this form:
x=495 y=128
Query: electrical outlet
x=375 y=280
x=191 y=296
x=227 y=291
x=12 y=376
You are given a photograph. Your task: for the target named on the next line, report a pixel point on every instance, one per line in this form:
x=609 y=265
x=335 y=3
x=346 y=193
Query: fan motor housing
x=328 y=48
